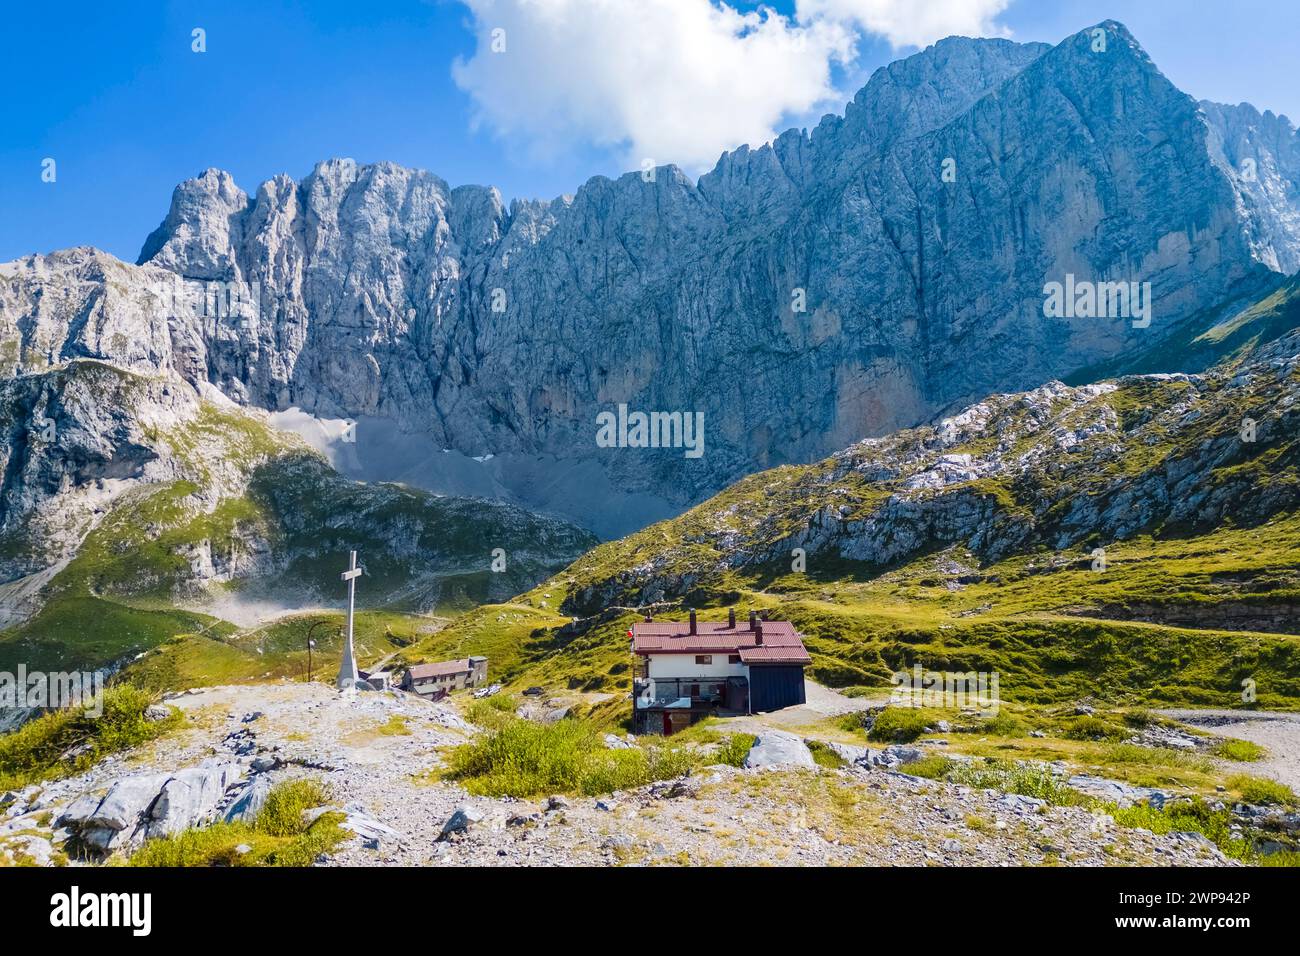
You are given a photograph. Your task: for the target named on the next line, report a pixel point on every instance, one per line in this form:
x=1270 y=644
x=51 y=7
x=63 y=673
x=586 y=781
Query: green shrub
x=823 y=756
x=735 y=749
x=1140 y=718
x=1243 y=751
x=1093 y=728
x=35 y=751
x=852 y=721
x=898 y=725
x=277 y=837
x=1280 y=858
x=1030 y=780
x=1261 y=790
x=1136 y=754
x=934 y=767
x=1003 y=724
x=1185 y=817
x=524 y=759
x=281 y=815
x=493 y=712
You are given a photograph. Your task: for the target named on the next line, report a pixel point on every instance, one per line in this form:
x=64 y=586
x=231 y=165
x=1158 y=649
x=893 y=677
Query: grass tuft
x=1243 y=751
x=36 y=751
x=525 y=759
x=278 y=837
x=899 y=725
x=1262 y=790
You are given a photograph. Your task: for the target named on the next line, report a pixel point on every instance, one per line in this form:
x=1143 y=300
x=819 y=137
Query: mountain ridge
x=1133 y=540
x=379 y=286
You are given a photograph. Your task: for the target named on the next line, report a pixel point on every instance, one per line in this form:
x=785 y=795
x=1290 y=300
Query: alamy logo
x=651 y=430
x=74 y=908
x=946 y=689
x=1085 y=299
x=213 y=299
x=39 y=690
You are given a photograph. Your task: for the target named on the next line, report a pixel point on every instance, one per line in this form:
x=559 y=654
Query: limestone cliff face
x=487 y=329
x=1053 y=472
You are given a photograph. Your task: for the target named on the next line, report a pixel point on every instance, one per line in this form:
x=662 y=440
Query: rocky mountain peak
x=888 y=266
x=203 y=225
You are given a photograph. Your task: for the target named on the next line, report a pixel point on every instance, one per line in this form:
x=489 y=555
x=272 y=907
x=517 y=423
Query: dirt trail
x=1278 y=733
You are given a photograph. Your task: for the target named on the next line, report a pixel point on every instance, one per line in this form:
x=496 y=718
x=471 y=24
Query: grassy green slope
x=278 y=522
x=1200 y=589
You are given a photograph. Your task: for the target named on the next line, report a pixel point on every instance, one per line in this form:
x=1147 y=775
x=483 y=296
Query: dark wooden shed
x=773 y=686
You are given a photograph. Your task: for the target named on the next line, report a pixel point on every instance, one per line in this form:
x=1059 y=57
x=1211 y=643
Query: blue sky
x=114 y=93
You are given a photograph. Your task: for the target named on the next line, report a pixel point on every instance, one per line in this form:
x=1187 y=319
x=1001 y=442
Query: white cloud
x=911 y=22
x=676 y=81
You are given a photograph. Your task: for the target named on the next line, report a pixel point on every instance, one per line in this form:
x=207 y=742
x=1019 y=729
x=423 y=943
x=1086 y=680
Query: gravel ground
x=720 y=815
x=1278 y=733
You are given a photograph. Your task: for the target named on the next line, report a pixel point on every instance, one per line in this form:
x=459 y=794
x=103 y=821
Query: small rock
x=1018 y=801
x=36 y=849
x=461 y=821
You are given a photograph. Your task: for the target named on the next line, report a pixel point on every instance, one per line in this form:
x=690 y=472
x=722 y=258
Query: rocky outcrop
x=837 y=283
x=1046 y=469
x=204 y=494
x=138 y=807
x=76 y=437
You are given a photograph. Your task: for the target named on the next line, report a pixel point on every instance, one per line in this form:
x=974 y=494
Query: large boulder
x=149 y=805
x=192 y=797
x=542 y=713
x=1114 y=791
x=369 y=829
x=128 y=802
x=847 y=752
x=776 y=748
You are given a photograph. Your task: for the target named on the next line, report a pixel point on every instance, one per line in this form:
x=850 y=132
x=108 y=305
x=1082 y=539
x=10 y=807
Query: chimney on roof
x=731 y=619
x=753 y=619
x=758 y=633
x=693 y=627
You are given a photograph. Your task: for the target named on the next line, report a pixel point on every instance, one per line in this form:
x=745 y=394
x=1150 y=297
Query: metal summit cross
x=348 y=666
